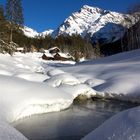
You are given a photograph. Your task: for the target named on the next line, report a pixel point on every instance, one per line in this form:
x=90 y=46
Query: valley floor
x=30 y=86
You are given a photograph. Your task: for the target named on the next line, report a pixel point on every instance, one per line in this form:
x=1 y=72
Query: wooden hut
x=54 y=50
x=45 y=57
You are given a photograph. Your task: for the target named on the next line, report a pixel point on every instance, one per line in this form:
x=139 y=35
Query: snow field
x=30 y=86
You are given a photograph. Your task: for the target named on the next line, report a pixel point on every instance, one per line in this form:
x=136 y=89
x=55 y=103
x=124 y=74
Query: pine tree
x=3 y=33
x=1 y=13
x=2 y=20
x=14 y=15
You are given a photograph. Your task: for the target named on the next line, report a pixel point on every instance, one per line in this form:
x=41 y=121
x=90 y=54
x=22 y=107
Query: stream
x=72 y=123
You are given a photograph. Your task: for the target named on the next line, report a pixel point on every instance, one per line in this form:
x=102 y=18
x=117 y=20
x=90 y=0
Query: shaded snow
x=7 y=132
x=123 y=126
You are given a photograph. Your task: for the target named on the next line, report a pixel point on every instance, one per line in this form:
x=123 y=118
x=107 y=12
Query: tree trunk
x=11 y=35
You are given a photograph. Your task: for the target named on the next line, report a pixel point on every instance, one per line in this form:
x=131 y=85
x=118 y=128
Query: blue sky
x=45 y=14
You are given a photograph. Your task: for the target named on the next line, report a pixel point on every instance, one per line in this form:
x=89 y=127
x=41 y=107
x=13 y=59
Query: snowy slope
x=113 y=77
x=47 y=32
x=95 y=23
x=30 y=85
x=29 y=32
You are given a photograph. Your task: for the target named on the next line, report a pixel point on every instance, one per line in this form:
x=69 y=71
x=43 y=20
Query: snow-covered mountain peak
x=95 y=23
x=91 y=22
x=90 y=9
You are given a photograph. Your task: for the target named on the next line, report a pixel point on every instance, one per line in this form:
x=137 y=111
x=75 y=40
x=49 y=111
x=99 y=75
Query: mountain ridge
x=93 y=23
x=29 y=32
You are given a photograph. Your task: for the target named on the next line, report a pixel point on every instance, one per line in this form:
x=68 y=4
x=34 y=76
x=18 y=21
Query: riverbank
x=30 y=85
x=72 y=123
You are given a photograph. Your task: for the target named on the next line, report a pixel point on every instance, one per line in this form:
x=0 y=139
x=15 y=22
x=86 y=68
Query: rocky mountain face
x=92 y=23
x=96 y=24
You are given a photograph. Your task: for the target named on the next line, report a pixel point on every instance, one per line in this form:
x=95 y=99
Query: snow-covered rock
x=95 y=23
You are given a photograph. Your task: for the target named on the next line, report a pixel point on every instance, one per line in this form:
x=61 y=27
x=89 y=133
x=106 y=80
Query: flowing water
x=72 y=123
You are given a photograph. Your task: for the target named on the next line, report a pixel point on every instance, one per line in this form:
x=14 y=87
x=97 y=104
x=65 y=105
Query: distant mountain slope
x=32 y=33
x=47 y=32
x=29 y=32
x=95 y=23
x=92 y=23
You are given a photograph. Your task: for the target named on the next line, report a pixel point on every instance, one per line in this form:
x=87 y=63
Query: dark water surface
x=70 y=124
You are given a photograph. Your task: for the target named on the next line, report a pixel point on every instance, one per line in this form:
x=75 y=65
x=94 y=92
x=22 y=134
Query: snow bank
x=68 y=83
x=77 y=90
x=27 y=94
x=23 y=92
x=25 y=66
x=123 y=126
x=116 y=76
x=23 y=98
x=20 y=98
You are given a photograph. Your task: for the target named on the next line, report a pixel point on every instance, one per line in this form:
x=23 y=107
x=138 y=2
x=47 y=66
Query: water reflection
x=70 y=124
